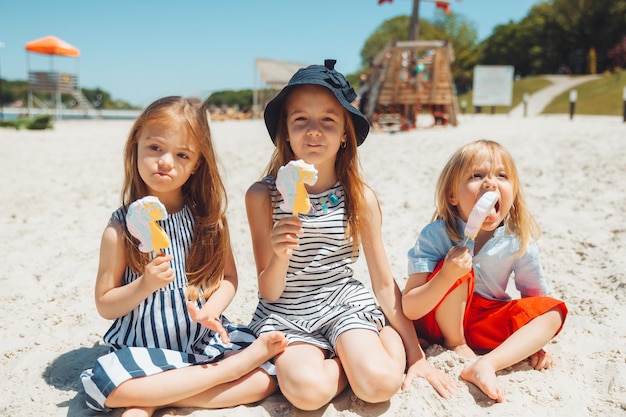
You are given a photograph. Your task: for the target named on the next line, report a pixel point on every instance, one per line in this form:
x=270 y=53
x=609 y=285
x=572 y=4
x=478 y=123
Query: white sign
x=493 y=85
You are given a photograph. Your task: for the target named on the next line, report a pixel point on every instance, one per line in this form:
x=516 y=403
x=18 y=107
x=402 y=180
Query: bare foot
x=542 y=360
x=139 y=412
x=483 y=375
x=463 y=350
x=264 y=348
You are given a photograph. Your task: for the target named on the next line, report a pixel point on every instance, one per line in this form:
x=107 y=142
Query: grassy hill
x=598 y=97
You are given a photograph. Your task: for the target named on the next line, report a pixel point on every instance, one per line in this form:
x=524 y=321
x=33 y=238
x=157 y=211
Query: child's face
x=485 y=176
x=165 y=158
x=315 y=125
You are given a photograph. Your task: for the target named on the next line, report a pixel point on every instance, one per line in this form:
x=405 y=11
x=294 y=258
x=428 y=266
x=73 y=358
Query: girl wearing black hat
x=337 y=334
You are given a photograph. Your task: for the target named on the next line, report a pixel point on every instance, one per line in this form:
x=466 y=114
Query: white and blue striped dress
x=321 y=299
x=158 y=334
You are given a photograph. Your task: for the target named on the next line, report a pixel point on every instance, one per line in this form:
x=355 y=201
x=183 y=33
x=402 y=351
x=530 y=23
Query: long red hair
x=203 y=192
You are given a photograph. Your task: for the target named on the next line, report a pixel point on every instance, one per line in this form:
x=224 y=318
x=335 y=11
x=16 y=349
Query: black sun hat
x=326 y=76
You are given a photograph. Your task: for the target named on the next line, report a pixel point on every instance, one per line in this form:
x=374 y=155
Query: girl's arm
x=272 y=244
x=209 y=314
x=384 y=286
x=113 y=299
x=421 y=296
x=389 y=297
x=223 y=296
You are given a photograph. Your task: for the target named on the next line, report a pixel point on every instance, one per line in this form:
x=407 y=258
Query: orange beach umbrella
x=51 y=45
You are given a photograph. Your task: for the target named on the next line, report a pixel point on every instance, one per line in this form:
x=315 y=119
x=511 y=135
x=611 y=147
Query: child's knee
x=557 y=318
x=377 y=384
x=306 y=393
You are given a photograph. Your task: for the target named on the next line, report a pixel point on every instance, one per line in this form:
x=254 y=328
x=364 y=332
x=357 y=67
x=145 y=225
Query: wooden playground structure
x=406 y=78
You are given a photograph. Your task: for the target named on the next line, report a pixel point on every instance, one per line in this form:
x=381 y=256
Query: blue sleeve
x=431 y=247
x=529 y=277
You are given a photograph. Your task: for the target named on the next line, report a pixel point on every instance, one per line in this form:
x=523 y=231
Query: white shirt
x=494 y=265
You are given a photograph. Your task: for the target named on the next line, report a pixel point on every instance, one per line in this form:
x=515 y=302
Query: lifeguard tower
x=54 y=82
x=407 y=77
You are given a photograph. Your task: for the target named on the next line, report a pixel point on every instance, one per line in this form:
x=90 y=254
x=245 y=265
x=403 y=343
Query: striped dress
x=159 y=334
x=321 y=299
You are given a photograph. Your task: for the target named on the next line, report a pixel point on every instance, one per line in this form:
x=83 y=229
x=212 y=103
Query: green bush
x=16 y=124
x=40 y=122
x=43 y=121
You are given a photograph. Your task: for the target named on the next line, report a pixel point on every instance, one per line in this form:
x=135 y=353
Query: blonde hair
x=519 y=221
x=346 y=168
x=203 y=192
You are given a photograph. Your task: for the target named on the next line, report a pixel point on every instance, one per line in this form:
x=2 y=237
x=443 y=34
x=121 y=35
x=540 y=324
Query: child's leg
x=255 y=386
x=444 y=324
x=176 y=385
x=251 y=388
x=374 y=363
x=520 y=345
x=450 y=317
x=306 y=378
x=139 y=411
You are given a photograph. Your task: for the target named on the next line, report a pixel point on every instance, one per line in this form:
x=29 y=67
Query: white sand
x=60 y=187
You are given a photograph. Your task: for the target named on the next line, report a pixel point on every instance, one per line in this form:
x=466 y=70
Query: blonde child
x=167 y=350
x=457 y=294
x=337 y=334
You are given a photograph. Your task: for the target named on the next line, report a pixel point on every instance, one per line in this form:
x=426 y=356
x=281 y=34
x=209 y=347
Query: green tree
x=13 y=91
x=98 y=98
x=454 y=28
x=231 y=98
x=558 y=35
x=102 y=99
x=394 y=29
x=463 y=35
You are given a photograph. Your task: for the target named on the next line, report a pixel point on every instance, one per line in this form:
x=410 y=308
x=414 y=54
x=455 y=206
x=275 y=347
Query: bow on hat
x=338 y=81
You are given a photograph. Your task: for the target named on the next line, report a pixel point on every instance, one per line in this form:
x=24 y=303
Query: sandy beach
x=61 y=186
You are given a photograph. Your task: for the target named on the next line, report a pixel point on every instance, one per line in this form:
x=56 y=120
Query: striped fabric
x=132 y=362
x=158 y=334
x=321 y=299
x=161 y=320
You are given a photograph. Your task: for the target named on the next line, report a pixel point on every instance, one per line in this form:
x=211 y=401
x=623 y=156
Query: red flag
x=384 y=1
x=443 y=6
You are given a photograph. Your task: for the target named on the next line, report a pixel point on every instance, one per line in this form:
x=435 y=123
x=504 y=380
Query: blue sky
x=141 y=50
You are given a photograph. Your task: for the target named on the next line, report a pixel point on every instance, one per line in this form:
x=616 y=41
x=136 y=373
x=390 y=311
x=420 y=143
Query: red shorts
x=488 y=323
